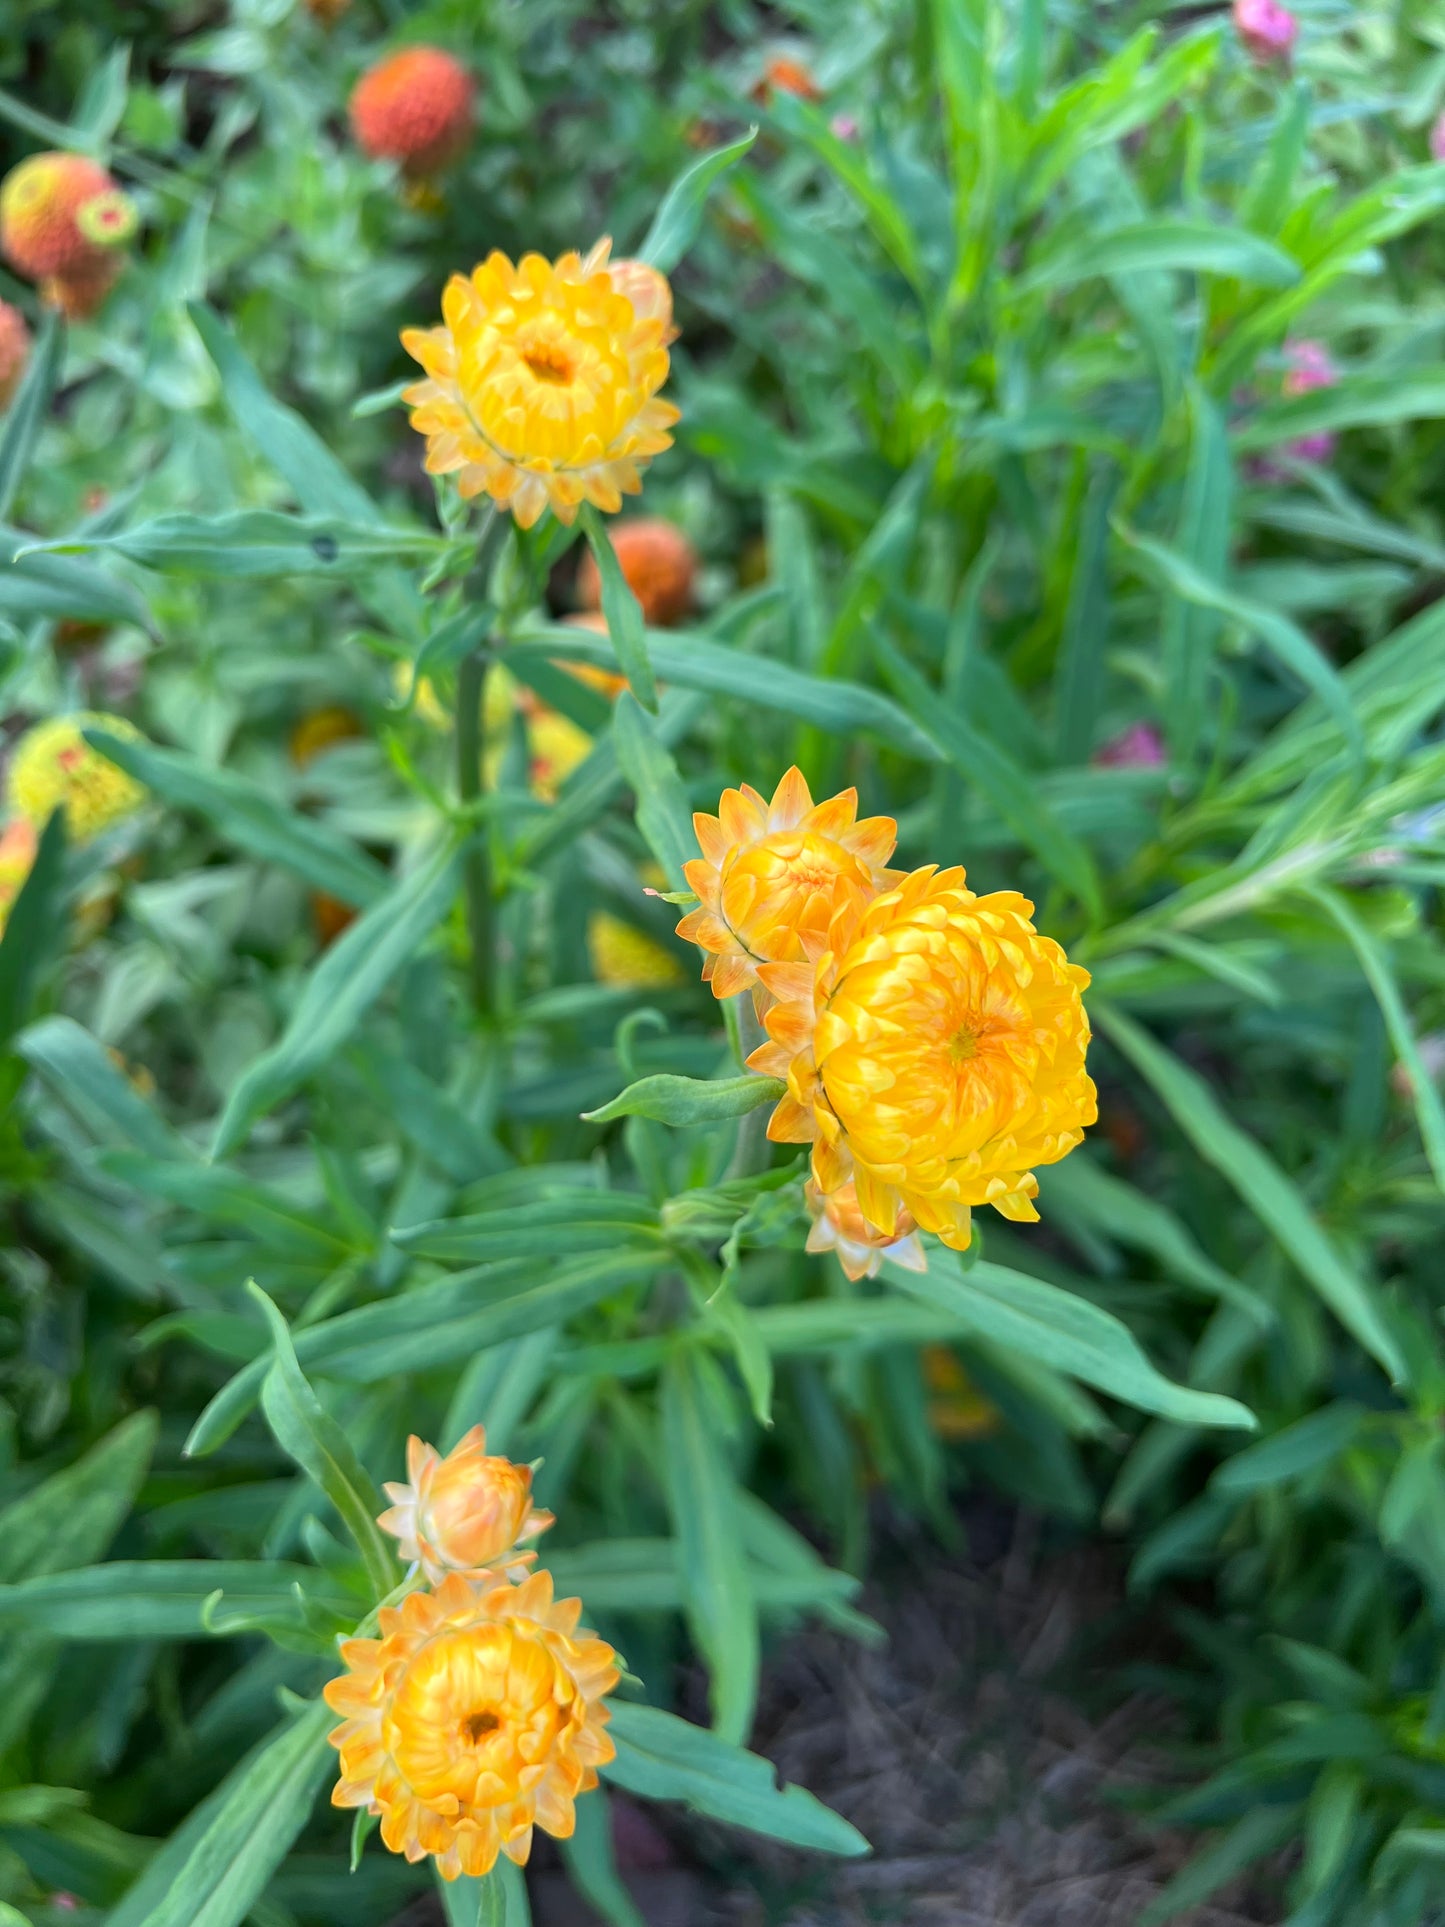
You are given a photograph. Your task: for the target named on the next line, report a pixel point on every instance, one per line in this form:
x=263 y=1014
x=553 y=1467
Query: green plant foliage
x=356 y=1086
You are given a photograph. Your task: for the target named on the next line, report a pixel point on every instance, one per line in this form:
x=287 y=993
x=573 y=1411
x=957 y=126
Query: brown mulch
x=987 y=1751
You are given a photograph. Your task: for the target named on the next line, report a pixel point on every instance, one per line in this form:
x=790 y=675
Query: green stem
x=751 y=1150
x=477 y=874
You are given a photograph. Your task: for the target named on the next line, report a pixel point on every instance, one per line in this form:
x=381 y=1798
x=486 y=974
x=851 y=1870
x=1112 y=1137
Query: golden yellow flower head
x=53 y=765
x=622 y=956
x=772 y=874
x=541 y=384
x=18 y=844
x=557 y=746
x=461 y=1513
x=934 y=1053
x=860 y=1248
x=476 y=1716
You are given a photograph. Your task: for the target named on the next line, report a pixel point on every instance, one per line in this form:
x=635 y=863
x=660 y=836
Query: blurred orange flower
x=658 y=563
x=14 y=351
x=63 y=222
x=414 y=107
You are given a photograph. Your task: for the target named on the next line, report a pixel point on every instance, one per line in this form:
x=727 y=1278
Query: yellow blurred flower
x=18 y=843
x=320 y=730
x=52 y=765
x=771 y=875
x=840 y=1227
x=461 y=1513
x=933 y=1054
x=476 y=1716
x=428 y=707
x=956 y=1408
x=541 y=384
x=621 y=955
x=557 y=746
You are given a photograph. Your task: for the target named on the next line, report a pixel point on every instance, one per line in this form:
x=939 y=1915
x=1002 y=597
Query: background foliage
x=987 y=451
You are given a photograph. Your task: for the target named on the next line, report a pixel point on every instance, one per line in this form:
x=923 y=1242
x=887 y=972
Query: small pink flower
x=64 y=1903
x=1266 y=30
x=1437 y=140
x=844 y=127
x=1138 y=747
x=1310 y=369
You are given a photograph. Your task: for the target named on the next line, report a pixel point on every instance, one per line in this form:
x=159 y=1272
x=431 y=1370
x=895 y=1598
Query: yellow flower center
x=963 y=1045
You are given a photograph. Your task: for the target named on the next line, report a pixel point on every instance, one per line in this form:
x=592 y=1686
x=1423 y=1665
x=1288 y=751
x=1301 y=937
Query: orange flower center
x=549 y=361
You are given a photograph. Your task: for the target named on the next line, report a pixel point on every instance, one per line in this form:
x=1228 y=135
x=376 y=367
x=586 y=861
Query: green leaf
x=252 y=542
x=689 y=1100
x=69 y=1519
x=1429 y=1111
x=1201 y=538
x=342 y=988
x=662 y=812
x=169 y=1599
x=29 y=408
x=474 y=1902
x=251 y=818
x=1259 y=1181
x=1058 y=1328
x=308 y=1434
x=58 y=588
x=1248 y=1840
x=664 y=1758
x=989 y=769
x=622 y=611
x=563 y=1222
x=694 y=661
x=1290 y=1453
x=592 y=1865
x=1287 y=641
x=437 y=1324
x=676 y=222
x=1082 y=673
x=214 y=1869
x=703 y=1498
x=850 y=166
x=1142 y=247
x=34 y=929
x=83 y=1075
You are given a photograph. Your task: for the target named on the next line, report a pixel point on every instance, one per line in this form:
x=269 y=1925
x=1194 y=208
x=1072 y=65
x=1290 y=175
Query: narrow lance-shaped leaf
x=342 y=987
x=682 y=1101
x=29 y=408
x=662 y=813
x=250 y=817
x=703 y=1497
x=307 y=1433
x=622 y=611
x=33 y=928
x=1259 y=1181
x=661 y=1757
x=676 y=222
x=251 y=542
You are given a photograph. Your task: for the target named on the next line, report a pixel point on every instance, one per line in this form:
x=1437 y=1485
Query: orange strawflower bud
x=658 y=564
x=63 y=222
x=772 y=874
x=461 y=1513
x=541 y=384
x=414 y=107
x=933 y=1054
x=477 y=1716
x=840 y=1227
x=14 y=351
x=330 y=916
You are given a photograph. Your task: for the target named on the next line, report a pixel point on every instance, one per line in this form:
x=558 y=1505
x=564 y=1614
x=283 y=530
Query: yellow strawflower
x=476 y=1716
x=557 y=746
x=860 y=1248
x=18 y=843
x=622 y=956
x=541 y=384
x=53 y=765
x=461 y=1513
x=771 y=875
x=933 y=1054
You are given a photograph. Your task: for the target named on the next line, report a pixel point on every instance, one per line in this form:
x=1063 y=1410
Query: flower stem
x=477 y=873
x=750 y=1151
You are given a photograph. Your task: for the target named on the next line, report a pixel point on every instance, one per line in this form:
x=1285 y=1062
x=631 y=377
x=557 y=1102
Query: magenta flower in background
x=844 y=127
x=1266 y=30
x=1310 y=368
x=1140 y=746
x=1437 y=139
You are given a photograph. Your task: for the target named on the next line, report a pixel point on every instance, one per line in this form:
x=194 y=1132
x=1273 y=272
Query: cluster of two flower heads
x=478 y=1714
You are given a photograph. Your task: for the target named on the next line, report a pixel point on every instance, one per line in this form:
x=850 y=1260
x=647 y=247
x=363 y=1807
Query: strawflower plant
x=1051 y=478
